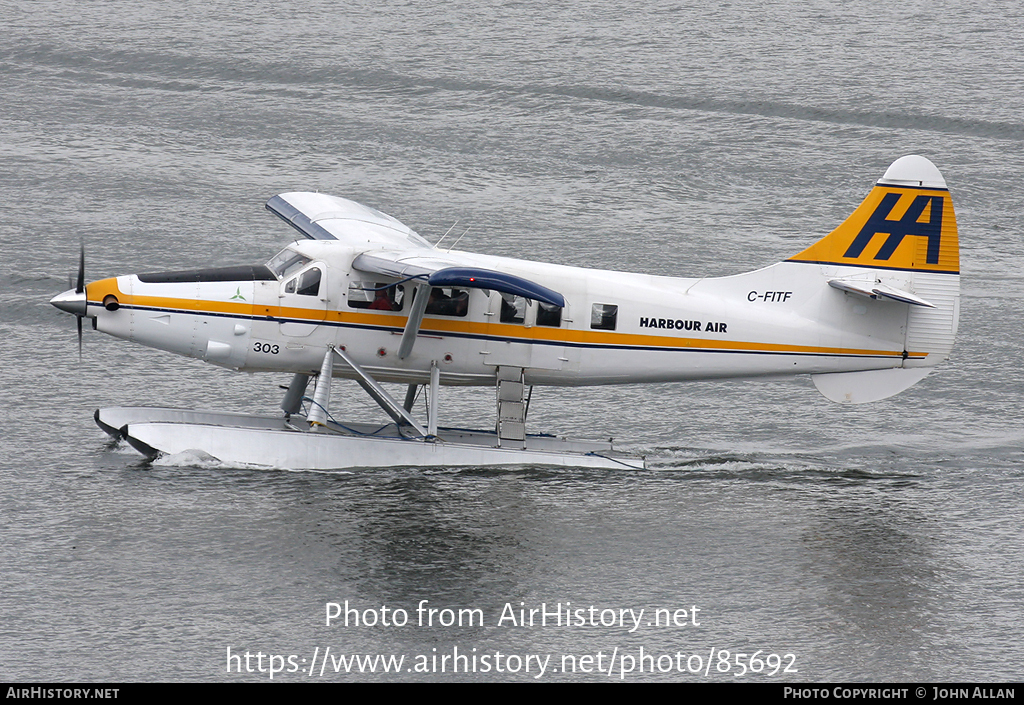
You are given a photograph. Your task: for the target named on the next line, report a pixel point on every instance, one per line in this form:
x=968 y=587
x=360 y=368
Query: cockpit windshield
x=287 y=261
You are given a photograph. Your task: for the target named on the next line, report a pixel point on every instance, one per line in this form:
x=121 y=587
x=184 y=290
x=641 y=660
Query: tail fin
x=906 y=223
x=899 y=244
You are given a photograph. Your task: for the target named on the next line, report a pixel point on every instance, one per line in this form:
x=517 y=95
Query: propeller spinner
x=73 y=300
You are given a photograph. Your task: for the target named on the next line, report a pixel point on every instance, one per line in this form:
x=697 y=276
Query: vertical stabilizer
x=906 y=223
x=900 y=244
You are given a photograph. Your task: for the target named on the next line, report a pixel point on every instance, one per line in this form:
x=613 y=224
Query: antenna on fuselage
x=446 y=234
x=457 y=241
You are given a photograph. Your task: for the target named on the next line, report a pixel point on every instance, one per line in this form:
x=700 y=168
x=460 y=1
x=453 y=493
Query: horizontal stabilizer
x=875 y=291
x=868 y=386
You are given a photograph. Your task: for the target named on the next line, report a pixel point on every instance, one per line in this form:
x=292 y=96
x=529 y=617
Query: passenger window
x=374 y=296
x=513 y=309
x=445 y=301
x=602 y=316
x=548 y=315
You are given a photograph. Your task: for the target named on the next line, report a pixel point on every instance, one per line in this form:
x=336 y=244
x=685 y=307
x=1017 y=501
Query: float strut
x=435 y=379
x=410 y=396
x=292 y=402
x=322 y=393
x=377 y=393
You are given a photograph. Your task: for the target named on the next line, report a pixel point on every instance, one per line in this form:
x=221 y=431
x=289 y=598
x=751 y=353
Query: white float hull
x=263 y=441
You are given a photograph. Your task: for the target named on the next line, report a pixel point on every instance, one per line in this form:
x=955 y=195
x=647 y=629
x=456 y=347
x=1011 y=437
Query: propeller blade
x=80 y=286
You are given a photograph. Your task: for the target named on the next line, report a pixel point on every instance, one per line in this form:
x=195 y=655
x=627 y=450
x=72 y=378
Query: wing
x=322 y=217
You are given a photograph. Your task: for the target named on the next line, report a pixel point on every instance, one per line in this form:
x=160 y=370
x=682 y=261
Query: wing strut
x=412 y=326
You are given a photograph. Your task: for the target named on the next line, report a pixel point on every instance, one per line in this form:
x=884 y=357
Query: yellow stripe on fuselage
x=456 y=326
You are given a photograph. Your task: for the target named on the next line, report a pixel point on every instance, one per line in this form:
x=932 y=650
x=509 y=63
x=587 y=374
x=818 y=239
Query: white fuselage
x=615 y=327
x=867 y=310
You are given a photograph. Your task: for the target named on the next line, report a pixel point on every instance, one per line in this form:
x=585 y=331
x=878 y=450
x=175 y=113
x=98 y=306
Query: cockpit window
x=306 y=284
x=309 y=282
x=287 y=261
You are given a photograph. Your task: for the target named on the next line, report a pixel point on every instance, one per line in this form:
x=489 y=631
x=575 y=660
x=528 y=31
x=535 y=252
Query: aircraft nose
x=71 y=301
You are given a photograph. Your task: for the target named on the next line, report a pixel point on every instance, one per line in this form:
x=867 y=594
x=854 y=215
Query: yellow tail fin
x=905 y=223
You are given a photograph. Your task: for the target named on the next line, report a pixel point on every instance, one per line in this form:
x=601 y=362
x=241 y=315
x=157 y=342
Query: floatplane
x=866 y=311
